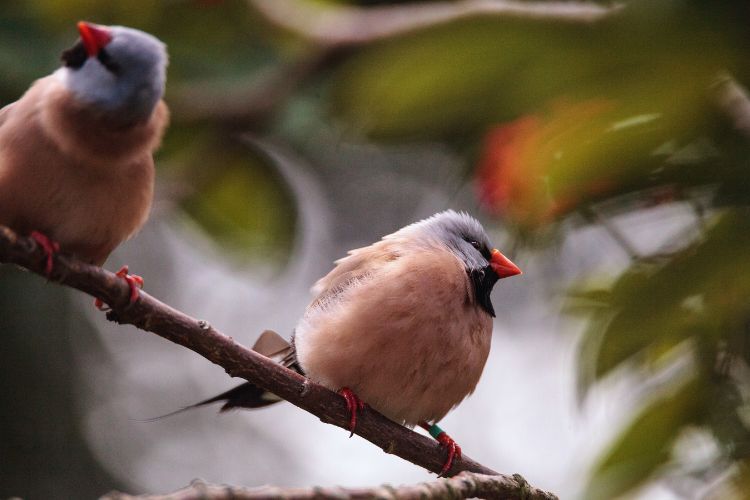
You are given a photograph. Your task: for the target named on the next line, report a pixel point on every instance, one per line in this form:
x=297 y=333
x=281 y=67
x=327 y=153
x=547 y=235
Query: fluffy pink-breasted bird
x=404 y=325
x=76 y=165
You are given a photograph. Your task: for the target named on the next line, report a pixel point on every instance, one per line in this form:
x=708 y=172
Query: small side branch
x=151 y=315
x=348 y=25
x=465 y=485
x=248 y=105
x=733 y=99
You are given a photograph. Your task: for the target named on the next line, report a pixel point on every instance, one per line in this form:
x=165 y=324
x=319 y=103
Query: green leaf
x=237 y=195
x=646 y=444
x=456 y=78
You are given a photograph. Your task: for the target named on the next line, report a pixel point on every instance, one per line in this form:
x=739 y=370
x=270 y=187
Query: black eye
x=472 y=242
x=479 y=247
x=75 y=56
x=107 y=62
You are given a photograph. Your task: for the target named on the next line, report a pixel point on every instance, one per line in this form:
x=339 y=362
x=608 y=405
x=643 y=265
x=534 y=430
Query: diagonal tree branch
x=464 y=485
x=149 y=314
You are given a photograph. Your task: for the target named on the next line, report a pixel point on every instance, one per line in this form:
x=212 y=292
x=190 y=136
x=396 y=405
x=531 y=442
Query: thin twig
x=593 y=216
x=734 y=101
x=149 y=314
x=465 y=485
x=349 y=25
x=248 y=104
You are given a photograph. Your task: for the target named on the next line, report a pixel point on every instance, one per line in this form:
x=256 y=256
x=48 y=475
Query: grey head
x=121 y=71
x=465 y=236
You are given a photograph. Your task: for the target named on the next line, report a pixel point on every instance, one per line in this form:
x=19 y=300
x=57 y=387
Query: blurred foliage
x=693 y=298
x=457 y=78
x=556 y=118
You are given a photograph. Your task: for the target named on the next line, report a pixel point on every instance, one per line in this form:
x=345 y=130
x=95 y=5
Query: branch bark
x=151 y=315
x=465 y=485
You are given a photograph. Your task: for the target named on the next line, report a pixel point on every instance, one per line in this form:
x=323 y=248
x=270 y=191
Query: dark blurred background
x=603 y=144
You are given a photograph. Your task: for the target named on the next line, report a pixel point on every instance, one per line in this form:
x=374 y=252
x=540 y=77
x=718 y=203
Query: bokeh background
x=604 y=145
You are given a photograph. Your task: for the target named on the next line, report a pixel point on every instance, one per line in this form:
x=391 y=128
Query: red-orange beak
x=502 y=265
x=94 y=37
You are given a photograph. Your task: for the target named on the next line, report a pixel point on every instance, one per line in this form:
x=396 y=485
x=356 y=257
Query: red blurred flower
x=524 y=171
x=502 y=175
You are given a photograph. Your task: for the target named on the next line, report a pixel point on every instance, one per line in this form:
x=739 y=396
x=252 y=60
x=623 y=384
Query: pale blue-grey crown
x=462 y=234
x=126 y=80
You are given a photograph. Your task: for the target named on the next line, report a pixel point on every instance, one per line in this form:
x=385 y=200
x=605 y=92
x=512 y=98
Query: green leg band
x=435 y=431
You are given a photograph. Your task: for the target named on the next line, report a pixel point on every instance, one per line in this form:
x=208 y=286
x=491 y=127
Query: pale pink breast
x=407 y=339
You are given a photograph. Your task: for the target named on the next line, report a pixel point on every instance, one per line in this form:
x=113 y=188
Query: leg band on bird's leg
x=435 y=431
x=445 y=441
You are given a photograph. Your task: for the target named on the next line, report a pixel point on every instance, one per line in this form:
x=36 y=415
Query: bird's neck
x=128 y=100
x=84 y=129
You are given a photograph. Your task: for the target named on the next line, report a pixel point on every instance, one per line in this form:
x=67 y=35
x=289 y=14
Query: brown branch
x=149 y=314
x=334 y=30
x=593 y=216
x=350 y=25
x=248 y=104
x=465 y=485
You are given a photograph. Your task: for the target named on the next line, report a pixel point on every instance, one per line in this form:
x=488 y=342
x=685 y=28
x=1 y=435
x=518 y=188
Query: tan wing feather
x=271 y=344
x=360 y=263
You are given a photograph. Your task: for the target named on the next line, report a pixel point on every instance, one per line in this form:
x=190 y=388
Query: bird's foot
x=454 y=450
x=134 y=281
x=50 y=249
x=353 y=404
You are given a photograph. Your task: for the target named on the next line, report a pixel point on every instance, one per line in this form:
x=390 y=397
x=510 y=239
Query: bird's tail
x=247 y=395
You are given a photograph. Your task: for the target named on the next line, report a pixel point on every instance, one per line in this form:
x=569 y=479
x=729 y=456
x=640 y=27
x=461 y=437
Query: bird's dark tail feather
x=248 y=395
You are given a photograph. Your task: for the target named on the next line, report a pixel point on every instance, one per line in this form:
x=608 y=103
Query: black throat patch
x=483 y=280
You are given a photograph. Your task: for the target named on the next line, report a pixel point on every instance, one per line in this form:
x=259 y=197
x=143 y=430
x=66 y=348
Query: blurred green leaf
x=456 y=78
x=450 y=79
x=646 y=444
x=652 y=308
x=239 y=199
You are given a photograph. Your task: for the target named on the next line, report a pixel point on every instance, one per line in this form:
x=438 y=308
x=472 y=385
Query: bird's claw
x=134 y=281
x=353 y=404
x=50 y=249
x=454 y=451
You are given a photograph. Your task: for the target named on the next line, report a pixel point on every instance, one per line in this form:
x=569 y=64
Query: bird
x=76 y=150
x=403 y=325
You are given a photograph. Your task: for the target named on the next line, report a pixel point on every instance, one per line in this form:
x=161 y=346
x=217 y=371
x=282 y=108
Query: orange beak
x=502 y=265
x=94 y=37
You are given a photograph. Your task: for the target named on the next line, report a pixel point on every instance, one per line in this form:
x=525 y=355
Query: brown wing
x=271 y=345
x=358 y=265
